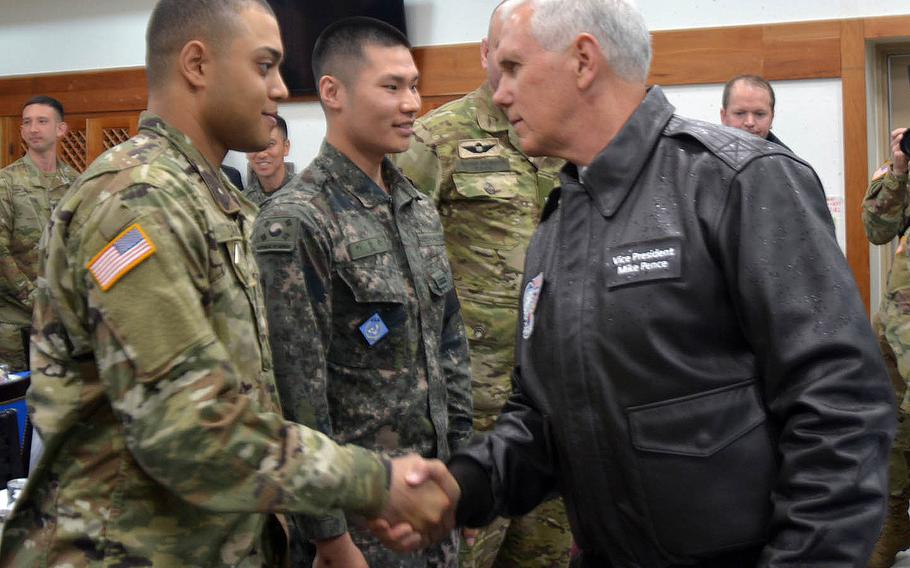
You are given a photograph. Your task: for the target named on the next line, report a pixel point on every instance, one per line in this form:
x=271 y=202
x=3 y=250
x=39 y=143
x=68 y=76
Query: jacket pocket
x=369 y=319
x=490 y=185
x=707 y=465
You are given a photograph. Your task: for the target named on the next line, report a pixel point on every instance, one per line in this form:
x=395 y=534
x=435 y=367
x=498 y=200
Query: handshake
x=421 y=507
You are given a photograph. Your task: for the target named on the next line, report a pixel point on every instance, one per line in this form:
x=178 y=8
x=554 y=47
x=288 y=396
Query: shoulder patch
x=275 y=234
x=881 y=171
x=124 y=253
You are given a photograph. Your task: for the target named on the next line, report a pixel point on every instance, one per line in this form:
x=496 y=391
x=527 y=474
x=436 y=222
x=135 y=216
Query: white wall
x=45 y=36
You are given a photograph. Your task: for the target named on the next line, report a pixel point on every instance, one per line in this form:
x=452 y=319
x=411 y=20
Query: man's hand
x=421 y=507
x=899 y=160
x=339 y=552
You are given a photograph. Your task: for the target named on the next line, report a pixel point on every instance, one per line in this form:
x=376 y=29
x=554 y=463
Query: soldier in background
x=268 y=170
x=748 y=104
x=467 y=158
x=357 y=286
x=30 y=188
x=152 y=374
x=885 y=216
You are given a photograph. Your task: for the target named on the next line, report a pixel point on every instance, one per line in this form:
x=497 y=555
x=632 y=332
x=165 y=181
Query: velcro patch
x=124 y=253
x=642 y=262
x=881 y=171
x=479 y=148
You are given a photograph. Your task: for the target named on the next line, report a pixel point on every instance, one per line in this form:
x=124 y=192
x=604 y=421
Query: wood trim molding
x=856 y=169
x=102 y=91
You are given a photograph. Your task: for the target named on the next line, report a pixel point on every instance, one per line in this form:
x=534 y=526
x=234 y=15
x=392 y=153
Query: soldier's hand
x=899 y=160
x=421 y=507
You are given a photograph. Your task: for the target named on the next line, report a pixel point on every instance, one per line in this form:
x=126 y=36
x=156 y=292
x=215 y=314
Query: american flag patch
x=121 y=255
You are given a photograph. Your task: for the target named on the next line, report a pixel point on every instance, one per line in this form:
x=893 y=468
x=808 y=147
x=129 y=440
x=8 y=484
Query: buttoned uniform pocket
x=707 y=465
x=486 y=185
x=364 y=288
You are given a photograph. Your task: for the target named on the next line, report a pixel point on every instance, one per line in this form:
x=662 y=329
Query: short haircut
x=754 y=80
x=282 y=126
x=174 y=23
x=617 y=25
x=339 y=47
x=46 y=100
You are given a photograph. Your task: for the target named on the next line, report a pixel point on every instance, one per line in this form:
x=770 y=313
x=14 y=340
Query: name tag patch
x=643 y=262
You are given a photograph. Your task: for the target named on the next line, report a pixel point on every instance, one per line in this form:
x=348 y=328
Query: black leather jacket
x=700 y=379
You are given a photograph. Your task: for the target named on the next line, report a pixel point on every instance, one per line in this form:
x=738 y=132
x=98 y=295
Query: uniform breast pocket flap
x=488 y=185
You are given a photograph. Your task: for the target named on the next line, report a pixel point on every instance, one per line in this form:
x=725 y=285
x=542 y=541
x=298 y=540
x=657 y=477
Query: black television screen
x=301 y=22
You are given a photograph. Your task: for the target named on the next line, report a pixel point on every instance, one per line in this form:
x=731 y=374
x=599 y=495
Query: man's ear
x=192 y=64
x=62 y=127
x=588 y=59
x=331 y=92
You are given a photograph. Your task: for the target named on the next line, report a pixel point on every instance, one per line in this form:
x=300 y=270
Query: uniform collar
x=35 y=171
x=612 y=173
x=225 y=199
x=343 y=172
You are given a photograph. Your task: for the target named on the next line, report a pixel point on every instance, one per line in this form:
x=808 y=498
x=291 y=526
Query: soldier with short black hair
x=358 y=288
x=152 y=381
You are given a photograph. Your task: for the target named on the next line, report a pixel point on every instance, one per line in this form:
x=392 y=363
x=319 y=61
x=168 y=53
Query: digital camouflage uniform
x=886 y=214
x=27 y=197
x=164 y=442
x=466 y=156
x=360 y=295
x=254 y=191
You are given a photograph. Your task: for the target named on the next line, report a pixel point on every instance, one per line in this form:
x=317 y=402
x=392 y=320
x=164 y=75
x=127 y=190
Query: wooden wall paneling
x=106 y=132
x=891 y=27
x=9 y=140
x=686 y=57
x=93 y=91
x=805 y=50
x=449 y=69
x=856 y=168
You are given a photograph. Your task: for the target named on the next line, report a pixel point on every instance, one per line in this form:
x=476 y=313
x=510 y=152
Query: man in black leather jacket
x=696 y=373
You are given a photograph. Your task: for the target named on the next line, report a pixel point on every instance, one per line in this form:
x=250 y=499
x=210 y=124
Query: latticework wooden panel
x=71 y=149
x=114 y=136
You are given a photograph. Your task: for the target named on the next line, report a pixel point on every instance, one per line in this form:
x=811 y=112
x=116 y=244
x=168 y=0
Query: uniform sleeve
x=456 y=367
x=883 y=207
x=180 y=399
x=14 y=284
x=295 y=269
x=823 y=378
x=510 y=470
x=421 y=165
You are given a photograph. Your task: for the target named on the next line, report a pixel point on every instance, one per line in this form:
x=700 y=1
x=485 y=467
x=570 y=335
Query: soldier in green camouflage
x=466 y=157
x=358 y=288
x=268 y=171
x=30 y=188
x=152 y=379
x=886 y=215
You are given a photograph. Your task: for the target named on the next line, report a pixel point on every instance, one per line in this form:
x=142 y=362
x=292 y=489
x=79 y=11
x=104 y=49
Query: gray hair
x=617 y=25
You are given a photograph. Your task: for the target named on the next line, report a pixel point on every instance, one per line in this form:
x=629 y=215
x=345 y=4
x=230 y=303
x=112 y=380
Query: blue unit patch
x=373 y=329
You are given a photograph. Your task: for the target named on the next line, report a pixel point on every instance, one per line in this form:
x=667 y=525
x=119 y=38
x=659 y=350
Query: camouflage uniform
x=886 y=214
x=489 y=194
x=254 y=191
x=27 y=197
x=360 y=295
x=156 y=398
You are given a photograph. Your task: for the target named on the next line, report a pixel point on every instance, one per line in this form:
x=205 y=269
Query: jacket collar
x=225 y=199
x=342 y=171
x=611 y=175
